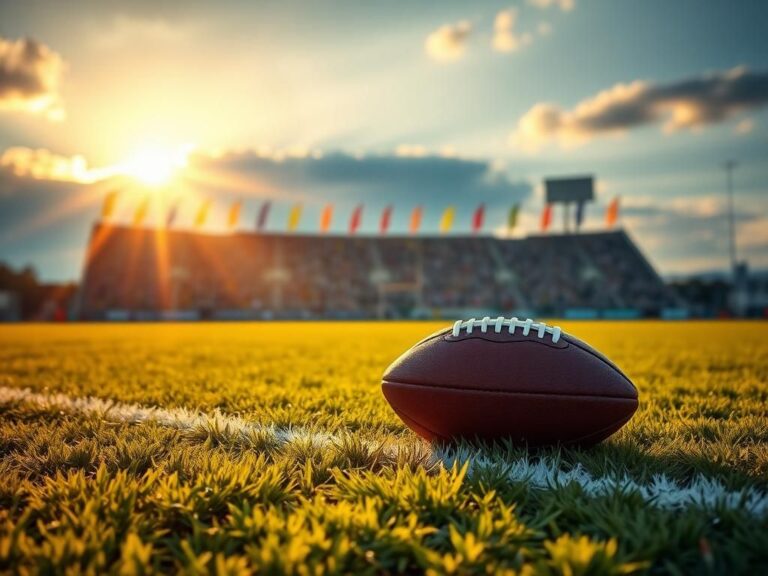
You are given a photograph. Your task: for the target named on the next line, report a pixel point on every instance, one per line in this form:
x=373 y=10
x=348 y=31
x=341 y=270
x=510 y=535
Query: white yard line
x=542 y=473
x=177 y=418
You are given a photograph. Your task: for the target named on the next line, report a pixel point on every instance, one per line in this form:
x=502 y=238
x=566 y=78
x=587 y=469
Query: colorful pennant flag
x=612 y=212
x=416 y=219
x=326 y=217
x=141 y=212
x=386 y=218
x=108 y=207
x=294 y=217
x=579 y=214
x=261 y=219
x=546 y=217
x=356 y=219
x=446 y=222
x=170 y=217
x=202 y=214
x=512 y=218
x=477 y=219
x=234 y=214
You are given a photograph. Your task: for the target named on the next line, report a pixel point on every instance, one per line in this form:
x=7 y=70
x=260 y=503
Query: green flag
x=512 y=220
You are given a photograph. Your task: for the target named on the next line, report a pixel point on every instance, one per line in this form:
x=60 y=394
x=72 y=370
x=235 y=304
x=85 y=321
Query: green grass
x=84 y=492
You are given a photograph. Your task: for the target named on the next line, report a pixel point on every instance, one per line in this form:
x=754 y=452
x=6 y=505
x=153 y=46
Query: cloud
x=30 y=74
x=690 y=103
x=449 y=42
x=42 y=164
x=411 y=150
x=564 y=5
x=411 y=174
x=505 y=37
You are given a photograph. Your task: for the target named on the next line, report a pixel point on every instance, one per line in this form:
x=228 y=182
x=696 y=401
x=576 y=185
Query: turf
x=344 y=487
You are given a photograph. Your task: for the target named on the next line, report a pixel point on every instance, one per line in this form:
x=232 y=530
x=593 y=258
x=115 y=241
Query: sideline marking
x=541 y=473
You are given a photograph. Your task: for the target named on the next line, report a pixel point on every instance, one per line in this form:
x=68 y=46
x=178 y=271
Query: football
x=504 y=378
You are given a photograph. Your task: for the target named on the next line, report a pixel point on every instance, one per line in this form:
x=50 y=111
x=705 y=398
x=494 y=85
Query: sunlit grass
x=83 y=491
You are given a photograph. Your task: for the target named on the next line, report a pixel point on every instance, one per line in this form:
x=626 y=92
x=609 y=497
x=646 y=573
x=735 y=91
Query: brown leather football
x=504 y=378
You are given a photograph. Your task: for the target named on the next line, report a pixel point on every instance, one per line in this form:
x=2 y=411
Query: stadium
x=151 y=274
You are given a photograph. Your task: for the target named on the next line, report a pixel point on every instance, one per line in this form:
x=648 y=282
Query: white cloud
x=411 y=151
x=30 y=74
x=42 y=164
x=449 y=42
x=505 y=37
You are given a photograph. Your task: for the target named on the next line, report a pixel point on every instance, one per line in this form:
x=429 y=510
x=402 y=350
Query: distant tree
x=34 y=296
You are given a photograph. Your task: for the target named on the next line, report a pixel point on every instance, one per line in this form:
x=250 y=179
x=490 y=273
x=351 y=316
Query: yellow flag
x=141 y=212
x=202 y=214
x=234 y=214
x=294 y=217
x=446 y=222
x=109 y=205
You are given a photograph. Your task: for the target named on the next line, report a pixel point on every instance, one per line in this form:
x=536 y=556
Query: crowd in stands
x=278 y=275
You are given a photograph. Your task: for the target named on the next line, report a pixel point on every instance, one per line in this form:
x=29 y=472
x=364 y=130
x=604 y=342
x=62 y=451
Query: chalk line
x=542 y=473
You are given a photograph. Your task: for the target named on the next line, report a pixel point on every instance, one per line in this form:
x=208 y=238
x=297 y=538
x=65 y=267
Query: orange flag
x=416 y=219
x=612 y=213
x=234 y=214
x=326 y=218
x=546 y=217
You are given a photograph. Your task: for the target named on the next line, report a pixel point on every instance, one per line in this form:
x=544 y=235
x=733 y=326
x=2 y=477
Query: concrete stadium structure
x=146 y=274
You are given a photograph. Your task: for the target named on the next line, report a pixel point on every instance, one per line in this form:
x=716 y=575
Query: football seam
x=406 y=418
x=586 y=437
x=620 y=423
x=605 y=361
x=509 y=392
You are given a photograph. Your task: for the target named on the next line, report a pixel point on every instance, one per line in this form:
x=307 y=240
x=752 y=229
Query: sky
x=381 y=103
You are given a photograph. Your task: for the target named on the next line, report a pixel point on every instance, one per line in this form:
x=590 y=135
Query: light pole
x=729 y=166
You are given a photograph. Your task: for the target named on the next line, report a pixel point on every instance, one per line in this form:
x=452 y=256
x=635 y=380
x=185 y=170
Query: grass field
x=275 y=451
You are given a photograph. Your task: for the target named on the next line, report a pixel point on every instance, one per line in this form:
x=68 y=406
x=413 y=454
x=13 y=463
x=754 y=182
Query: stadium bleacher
x=135 y=273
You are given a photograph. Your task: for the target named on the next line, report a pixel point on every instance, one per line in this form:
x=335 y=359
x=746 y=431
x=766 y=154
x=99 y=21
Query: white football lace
x=511 y=323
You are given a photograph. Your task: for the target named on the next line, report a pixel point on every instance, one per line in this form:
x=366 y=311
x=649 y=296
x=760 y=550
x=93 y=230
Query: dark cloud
x=341 y=177
x=30 y=73
x=688 y=103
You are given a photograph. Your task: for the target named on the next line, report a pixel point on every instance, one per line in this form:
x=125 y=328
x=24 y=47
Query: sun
x=155 y=165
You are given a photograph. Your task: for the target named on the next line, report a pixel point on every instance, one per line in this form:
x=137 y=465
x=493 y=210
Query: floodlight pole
x=729 y=166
